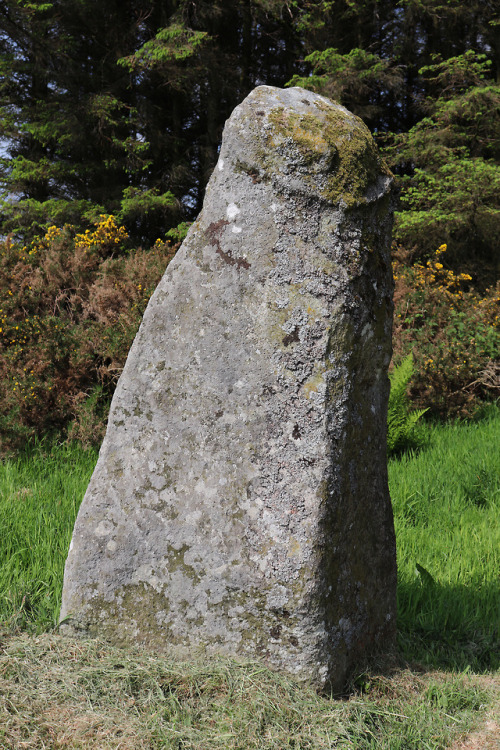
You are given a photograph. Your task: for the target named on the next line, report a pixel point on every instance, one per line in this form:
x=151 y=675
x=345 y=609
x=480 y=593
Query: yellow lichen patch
x=294 y=548
x=313 y=384
x=305 y=130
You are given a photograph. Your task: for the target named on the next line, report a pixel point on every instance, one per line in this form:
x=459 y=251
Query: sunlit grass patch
x=40 y=493
x=446 y=504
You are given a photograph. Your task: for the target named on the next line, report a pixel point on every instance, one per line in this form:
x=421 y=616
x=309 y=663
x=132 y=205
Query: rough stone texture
x=240 y=501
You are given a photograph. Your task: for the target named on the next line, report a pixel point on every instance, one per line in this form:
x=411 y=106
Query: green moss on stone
x=307 y=131
x=354 y=160
x=115 y=619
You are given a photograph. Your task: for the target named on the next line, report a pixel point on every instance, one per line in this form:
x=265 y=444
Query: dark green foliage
x=361 y=80
x=75 y=137
x=452 y=192
x=119 y=107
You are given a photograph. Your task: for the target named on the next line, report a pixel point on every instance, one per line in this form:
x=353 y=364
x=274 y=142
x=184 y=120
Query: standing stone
x=240 y=502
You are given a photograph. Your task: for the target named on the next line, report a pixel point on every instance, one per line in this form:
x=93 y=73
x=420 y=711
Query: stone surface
x=240 y=501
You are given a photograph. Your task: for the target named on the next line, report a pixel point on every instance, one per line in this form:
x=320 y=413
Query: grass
x=86 y=694
x=61 y=693
x=40 y=493
x=446 y=503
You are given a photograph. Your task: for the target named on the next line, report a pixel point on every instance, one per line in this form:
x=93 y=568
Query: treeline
x=117 y=109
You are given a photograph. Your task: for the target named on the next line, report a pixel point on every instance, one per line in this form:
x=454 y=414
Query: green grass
x=446 y=503
x=40 y=493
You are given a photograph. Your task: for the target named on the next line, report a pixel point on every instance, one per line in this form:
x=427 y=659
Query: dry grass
x=64 y=693
x=48 y=701
x=486 y=735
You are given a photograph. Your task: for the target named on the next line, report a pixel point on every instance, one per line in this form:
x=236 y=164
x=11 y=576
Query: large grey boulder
x=240 y=501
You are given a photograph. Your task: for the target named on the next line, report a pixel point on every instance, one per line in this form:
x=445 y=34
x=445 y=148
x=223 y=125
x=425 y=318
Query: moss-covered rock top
x=315 y=145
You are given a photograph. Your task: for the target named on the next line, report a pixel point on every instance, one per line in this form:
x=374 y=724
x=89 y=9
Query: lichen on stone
x=343 y=143
x=240 y=495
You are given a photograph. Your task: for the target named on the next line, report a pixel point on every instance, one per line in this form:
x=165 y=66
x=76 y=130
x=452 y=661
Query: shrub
x=453 y=332
x=70 y=305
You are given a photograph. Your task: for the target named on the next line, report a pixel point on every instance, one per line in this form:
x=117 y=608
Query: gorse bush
x=401 y=418
x=70 y=305
x=452 y=330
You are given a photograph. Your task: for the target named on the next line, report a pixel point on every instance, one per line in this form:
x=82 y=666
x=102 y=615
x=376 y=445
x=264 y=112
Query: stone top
x=305 y=143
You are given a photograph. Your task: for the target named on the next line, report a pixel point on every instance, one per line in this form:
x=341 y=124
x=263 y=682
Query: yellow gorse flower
x=107 y=232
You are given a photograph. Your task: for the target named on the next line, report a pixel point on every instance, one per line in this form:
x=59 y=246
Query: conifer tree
x=451 y=194
x=119 y=107
x=69 y=122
